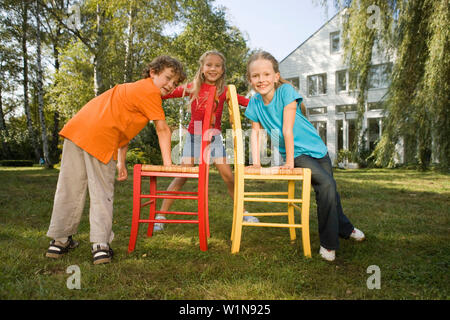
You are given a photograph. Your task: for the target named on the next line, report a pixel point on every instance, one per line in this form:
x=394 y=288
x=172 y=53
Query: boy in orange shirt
x=95 y=143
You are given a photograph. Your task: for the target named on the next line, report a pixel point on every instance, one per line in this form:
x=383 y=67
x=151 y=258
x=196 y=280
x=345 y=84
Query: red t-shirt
x=198 y=105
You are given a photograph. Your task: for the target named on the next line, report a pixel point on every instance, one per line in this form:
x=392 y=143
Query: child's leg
x=70 y=193
x=226 y=174
x=345 y=226
x=327 y=200
x=101 y=192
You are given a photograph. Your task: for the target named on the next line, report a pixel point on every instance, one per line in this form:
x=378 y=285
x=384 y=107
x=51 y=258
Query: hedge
x=16 y=163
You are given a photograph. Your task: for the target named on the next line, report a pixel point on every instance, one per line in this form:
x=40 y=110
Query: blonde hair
x=199 y=78
x=264 y=55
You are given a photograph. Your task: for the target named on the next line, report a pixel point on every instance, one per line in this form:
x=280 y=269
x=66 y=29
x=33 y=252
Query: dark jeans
x=332 y=221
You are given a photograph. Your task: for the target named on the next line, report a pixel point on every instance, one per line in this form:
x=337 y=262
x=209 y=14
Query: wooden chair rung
x=268 y=224
x=265 y=193
x=273 y=200
x=266 y=214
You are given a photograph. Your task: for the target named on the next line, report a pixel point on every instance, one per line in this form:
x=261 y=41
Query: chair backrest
x=235 y=119
x=206 y=132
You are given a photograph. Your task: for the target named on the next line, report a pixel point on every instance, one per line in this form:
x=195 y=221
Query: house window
x=345 y=108
x=335 y=42
x=345 y=81
x=346 y=134
x=375 y=105
x=295 y=81
x=321 y=127
x=340 y=134
x=351 y=133
x=379 y=76
x=317 y=84
x=319 y=110
x=374 y=130
x=341 y=81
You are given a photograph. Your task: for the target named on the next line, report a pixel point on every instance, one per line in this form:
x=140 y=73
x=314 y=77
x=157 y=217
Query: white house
x=317 y=69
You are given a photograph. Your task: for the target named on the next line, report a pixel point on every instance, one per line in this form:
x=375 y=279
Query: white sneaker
x=357 y=235
x=159 y=226
x=328 y=255
x=250 y=218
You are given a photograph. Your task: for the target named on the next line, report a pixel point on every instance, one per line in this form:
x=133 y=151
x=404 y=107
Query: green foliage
x=135 y=156
x=147 y=143
x=110 y=44
x=417 y=101
x=16 y=163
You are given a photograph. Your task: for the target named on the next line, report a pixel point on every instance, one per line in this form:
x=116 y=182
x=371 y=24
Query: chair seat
x=177 y=169
x=273 y=170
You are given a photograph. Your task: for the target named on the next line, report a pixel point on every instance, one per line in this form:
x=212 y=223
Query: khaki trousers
x=81 y=171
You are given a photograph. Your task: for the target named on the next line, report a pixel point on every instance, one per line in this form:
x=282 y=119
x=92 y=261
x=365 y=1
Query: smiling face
x=212 y=68
x=263 y=78
x=166 y=80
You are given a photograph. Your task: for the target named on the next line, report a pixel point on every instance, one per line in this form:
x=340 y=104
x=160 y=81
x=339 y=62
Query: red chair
x=201 y=195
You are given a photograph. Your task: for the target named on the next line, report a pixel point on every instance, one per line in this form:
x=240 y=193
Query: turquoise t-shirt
x=306 y=139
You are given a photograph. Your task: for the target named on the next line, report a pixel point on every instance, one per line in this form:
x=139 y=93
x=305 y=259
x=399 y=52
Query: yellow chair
x=242 y=174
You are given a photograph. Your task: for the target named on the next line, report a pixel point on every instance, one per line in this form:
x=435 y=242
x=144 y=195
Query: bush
x=16 y=163
x=135 y=156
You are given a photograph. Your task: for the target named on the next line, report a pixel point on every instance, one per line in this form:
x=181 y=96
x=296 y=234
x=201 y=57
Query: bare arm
x=254 y=141
x=122 y=173
x=164 y=138
x=288 y=132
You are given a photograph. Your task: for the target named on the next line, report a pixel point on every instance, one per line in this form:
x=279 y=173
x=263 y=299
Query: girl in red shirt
x=210 y=73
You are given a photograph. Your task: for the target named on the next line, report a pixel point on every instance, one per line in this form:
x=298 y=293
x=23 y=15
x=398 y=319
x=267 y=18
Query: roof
x=312 y=35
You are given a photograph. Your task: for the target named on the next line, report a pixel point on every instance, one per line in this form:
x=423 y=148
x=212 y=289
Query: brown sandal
x=58 y=249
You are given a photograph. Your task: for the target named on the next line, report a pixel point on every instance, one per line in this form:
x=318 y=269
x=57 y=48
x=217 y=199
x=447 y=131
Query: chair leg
x=208 y=233
x=152 y=205
x=202 y=234
x=306 y=195
x=233 y=226
x=136 y=207
x=238 y=216
x=291 y=217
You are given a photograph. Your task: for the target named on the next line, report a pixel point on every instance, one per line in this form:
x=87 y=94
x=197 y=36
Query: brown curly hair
x=160 y=63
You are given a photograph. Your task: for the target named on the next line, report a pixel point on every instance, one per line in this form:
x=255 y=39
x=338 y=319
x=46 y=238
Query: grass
x=404 y=214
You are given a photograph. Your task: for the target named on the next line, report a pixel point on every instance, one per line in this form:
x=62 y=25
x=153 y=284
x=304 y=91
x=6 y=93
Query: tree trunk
x=55 y=130
x=40 y=93
x=129 y=44
x=25 y=81
x=3 y=130
x=98 y=79
x=54 y=152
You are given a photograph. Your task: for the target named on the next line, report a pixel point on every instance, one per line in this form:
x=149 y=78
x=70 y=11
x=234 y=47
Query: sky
x=276 y=26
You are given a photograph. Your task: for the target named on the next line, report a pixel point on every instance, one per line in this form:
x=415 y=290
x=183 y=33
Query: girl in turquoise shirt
x=276 y=108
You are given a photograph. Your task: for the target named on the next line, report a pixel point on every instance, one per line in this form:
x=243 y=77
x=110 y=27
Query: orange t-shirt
x=112 y=119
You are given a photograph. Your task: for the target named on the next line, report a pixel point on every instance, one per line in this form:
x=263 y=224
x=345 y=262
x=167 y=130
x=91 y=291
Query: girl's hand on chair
x=287 y=166
x=254 y=166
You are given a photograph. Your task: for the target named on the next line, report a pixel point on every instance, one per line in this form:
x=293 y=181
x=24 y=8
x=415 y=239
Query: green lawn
x=404 y=214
